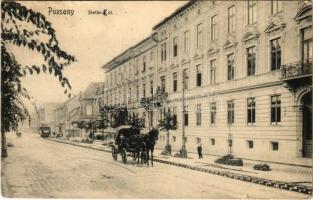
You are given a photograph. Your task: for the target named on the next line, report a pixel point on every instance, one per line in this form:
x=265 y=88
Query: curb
x=246 y=178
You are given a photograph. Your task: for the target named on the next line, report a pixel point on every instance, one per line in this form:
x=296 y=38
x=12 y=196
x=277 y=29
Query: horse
x=140 y=146
x=144 y=145
x=149 y=141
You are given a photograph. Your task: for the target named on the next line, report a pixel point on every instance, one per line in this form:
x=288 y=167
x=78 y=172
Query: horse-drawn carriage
x=129 y=141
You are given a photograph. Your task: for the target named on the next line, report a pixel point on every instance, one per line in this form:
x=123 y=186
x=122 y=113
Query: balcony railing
x=297 y=69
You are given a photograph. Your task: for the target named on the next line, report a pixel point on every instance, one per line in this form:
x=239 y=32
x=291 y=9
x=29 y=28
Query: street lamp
x=155 y=101
x=230 y=141
x=147 y=103
x=183 y=150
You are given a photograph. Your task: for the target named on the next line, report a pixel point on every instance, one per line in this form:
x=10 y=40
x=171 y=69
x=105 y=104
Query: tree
x=167 y=123
x=136 y=121
x=23 y=28
x=115 y=115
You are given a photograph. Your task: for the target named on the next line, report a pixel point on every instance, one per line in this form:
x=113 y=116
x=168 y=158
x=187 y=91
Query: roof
x=126 y=55
x=176 y=12
x=92 y=89
x=119 y=59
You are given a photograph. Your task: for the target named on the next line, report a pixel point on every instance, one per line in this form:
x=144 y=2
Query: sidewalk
x=279 y=172
x=293 y=176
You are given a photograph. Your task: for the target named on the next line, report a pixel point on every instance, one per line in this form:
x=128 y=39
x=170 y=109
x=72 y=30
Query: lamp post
x=183 y=150
x=155 y=101
x=230 y=141
x=105 y=118
x=147 y=103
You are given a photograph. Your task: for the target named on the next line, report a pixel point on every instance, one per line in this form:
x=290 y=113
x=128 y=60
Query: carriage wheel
x=124 y=156
x=114 y=153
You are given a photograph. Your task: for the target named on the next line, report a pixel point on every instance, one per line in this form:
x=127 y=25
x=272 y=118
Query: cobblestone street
x=39 y=168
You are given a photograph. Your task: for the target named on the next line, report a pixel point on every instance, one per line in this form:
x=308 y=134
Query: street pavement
x=291 y=174
x=41 y=168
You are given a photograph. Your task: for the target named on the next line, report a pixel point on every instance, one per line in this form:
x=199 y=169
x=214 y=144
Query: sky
x=93 y=39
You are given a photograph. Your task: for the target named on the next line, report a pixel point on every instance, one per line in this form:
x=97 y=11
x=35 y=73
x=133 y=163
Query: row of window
x=249 y=143
x=275 y=54
x=275 y=57
x=275 y=114
x=118 y=75
x=251 y=66
x=276 y=7
x=306 y=49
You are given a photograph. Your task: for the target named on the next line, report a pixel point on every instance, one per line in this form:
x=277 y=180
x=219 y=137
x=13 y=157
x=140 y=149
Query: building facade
x=78 y=108
x=60 y=119
x=72 y=114
x=132 y=76
x=47 y=115
x=90 y=103
x=238 y=76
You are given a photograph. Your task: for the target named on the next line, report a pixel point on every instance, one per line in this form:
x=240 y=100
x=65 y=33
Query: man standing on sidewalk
x=199 y=148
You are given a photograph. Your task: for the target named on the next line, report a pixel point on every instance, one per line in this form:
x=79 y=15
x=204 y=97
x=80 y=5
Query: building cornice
x=132 y=52
x=230 y=90
x=178 y=12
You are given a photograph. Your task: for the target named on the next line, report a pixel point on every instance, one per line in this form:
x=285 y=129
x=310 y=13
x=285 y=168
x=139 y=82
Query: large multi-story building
x=131 y=76
x=238 y=76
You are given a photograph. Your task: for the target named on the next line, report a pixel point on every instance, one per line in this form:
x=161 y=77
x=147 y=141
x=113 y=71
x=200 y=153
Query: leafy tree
x=119 y=116
x=24 y=28
x=167 y=123
x=115 y=115
x=100 y=124
x=136 y=121
x=80 y=124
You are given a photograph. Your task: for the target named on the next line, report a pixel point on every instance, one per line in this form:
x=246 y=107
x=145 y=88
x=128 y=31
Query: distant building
x=46 y=115
x=83 y=107
x=60 y=118
x=72 y=114
x=90 y=102
x=34 y=121
x=245 y=68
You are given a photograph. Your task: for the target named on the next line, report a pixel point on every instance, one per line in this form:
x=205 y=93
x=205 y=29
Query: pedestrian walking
x=199 y=148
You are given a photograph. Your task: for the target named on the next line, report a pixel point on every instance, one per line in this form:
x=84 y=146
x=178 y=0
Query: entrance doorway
x=307 y=125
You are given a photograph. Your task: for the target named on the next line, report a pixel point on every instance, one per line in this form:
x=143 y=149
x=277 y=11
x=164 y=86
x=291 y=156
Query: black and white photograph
x=199 y=99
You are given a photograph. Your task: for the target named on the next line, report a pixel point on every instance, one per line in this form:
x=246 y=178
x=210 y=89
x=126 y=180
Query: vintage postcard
x=156 y=99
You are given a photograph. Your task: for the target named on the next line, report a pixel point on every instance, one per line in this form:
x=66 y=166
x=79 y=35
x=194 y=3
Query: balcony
x=296 y=70
x=297 y=74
